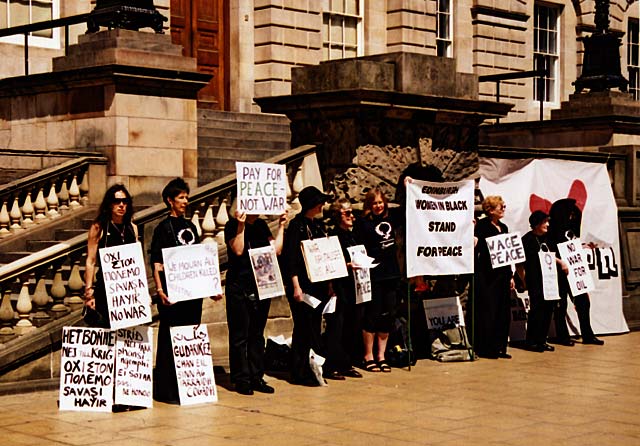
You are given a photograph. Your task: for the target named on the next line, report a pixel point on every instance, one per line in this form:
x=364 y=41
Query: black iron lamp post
x=601 y=64
x=126 y=14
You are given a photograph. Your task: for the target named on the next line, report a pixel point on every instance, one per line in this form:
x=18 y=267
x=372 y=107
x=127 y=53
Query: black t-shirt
x=171 y=232
x=533 y=273
x=256 y=235
x=379 y=238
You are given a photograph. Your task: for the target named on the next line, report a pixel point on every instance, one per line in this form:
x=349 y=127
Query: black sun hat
x=311 y=196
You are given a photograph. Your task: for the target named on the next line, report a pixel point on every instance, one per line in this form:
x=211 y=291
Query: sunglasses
x=347 y=213
x=120 y=201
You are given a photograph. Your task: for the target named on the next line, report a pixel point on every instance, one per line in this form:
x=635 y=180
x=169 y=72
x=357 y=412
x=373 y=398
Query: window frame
x=327 y=43
x=448 y=41
x=52 y=42
x=633 y=71
x=551 y=94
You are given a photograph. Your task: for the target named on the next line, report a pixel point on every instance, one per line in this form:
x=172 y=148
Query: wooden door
x=200 y=27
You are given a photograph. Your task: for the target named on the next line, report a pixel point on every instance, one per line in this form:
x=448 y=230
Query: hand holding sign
x=262 y=188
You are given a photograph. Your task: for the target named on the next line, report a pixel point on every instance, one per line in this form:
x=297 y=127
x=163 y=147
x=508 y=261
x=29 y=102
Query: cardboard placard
x=550 y=289
x=86 y=369
x=443 y=313
x=505 y=249
x=361 y=276
x=261 y=188
x=192 y=271
x=324 y=259
x=266 y=271
x=579 y=277
x=125 y=281
x=134 y=367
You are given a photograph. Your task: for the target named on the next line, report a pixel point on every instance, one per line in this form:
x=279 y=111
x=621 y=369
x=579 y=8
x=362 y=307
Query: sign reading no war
x=262 y=188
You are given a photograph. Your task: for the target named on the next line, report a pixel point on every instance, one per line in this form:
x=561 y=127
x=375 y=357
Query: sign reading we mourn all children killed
x=125 y=281
x=361 y=276
x=439 y=236
x=505 y=249
x=192 y=271
x=134 y=367
x=266 y=271
x=86 y=369
x=579 y=277
x=262 y=188
x=324 y=259
x=194 y=367
x=443 y=313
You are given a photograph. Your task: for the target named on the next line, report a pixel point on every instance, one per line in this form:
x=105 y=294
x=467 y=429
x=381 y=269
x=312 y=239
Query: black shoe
x=565 y=342
x=504 y=355
x=593 y=341
x=262 y=387
x=548 y=348
x=335 y=375
x=351 y=373
x=536 y=348
x=244 y=388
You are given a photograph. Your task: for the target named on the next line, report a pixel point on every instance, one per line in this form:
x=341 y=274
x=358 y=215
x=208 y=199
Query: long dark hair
x=104 y=211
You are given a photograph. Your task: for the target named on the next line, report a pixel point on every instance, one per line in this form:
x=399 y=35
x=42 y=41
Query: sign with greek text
x=125 y=281
x=505 y=249
x=262 y=188
x=439 y=236
x=580 y=280
x=324 y=259
x=361 y=276
x=86 y=369
x=443 y=313
x=549 y=275
x=134 y=367
x=266 y=271
x=192 y=271
x=194 y=366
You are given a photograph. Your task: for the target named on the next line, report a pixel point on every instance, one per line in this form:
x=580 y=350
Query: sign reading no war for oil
x=125 y=281
x=262 y=188
x=579 y=277
x=194 y=366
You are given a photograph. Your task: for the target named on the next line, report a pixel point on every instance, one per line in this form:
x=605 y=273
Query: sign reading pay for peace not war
x=262 y=188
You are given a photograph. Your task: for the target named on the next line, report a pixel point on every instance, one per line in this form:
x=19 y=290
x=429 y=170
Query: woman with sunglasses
x=492 y=299
x=112 y=227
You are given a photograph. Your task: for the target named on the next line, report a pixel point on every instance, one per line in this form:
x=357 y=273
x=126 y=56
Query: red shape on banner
x=578 y=192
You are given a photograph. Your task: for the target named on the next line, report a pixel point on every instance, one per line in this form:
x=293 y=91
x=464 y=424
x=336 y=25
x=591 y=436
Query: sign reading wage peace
x=439 y=228
x=262 y=188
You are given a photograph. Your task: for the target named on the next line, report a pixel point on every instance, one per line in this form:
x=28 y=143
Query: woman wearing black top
x=306 y=320
x=112 y=227
x=175 y=230
x=246 y=313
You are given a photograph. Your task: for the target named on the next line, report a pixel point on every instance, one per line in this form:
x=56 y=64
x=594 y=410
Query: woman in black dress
x=112 y=227
x=175 y=230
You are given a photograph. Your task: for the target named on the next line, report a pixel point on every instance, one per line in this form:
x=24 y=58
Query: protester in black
x=492 y=298
x=246 y=313
x=530 y=272
x=306 y=320
x=175 y=230
x=377 y=229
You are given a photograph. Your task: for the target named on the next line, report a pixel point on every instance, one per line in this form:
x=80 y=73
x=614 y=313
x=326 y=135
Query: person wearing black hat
x=530 y=272
x=306 y=320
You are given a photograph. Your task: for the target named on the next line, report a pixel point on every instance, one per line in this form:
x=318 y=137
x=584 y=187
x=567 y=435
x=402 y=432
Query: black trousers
x=307 y=327
x=246 y=320
x=337 y=357
x=583 y=308
x=539 y=318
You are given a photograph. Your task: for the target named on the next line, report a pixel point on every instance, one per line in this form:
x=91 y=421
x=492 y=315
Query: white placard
x=262 y=188
x=86 y=369
x=549 y=275
x=134 y=367
x=361 y=276
x=264 y=263
x=324 y=259
x=194 y=366
x=505 y=249
x=579 y=277
x=443 y=313
x=192 y=271
x=125 y=282
x=439 y=228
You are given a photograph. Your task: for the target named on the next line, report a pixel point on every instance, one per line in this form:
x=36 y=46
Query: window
x=444 y=41
x=545 y=52
x=633 y=64
x=23 y=12
x=341 y=30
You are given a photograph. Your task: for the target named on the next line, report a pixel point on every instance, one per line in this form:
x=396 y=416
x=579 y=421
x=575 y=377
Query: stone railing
x=46 y=195
x=47 y=285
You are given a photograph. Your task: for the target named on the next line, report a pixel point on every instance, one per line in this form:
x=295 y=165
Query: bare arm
x=279 y=240
x=297 y=291
x=237 y=243
x=90 y=264
x=157 y=267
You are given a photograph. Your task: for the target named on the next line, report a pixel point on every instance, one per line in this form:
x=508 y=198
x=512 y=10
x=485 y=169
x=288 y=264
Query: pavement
x=582 y=395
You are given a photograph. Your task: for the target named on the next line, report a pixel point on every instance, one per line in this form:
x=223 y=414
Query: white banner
x=194 y=366
x=528 y=185
x=86 y=369
x=361 y=276
x=439 y=236
x=134 y=367
x=443 y=313
x=549 y=275
x=266 y=271
x=324 y=259
x=579 y=277
x=125 y=282
x=505 y=249
x=192 y=271
x=262 y=188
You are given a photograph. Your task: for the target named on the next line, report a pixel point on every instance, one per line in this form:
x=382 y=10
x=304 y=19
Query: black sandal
x=384 y=367
x=371 y=366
